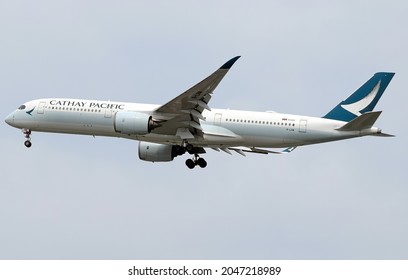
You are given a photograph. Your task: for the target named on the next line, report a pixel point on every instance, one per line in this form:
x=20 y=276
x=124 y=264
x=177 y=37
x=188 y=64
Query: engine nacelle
x=155 y=152
x=133 y=123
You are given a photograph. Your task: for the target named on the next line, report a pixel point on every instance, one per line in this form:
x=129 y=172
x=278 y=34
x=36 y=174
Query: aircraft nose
x=10 y=119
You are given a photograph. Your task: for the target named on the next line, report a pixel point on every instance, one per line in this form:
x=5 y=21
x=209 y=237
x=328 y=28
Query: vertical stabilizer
x=362 y=100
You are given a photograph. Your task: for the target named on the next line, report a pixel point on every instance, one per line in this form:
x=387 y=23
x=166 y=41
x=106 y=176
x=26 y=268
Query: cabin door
x=303 y=126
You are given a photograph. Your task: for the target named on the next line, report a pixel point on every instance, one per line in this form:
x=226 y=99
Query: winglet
x=229 y=63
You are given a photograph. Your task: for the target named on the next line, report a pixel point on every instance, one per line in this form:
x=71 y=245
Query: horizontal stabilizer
x=364 y=121
x=384 y=135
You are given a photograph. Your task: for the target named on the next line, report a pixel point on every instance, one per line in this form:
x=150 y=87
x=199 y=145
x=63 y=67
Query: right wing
x=182 y=114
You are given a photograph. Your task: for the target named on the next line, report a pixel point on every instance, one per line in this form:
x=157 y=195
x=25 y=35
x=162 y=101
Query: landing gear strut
x=189 y=148
x=27 y=133
x=196 y=160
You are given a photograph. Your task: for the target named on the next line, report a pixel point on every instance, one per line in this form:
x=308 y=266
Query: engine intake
x=134 y=123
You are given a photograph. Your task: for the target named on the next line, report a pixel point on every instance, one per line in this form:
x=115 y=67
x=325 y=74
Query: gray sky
x=76 y=197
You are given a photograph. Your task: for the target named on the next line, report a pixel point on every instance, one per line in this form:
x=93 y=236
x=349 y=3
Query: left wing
x=183 y=113
x=241 y=150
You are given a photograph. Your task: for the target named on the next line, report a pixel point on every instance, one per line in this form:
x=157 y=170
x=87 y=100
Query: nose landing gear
x=27 y=133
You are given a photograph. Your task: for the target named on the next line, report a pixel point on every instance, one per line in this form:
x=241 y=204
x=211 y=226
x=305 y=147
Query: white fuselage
x=222 y=128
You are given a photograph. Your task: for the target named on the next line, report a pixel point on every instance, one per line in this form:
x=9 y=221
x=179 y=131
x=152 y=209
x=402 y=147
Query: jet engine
x=156 y=152
x=132 y=123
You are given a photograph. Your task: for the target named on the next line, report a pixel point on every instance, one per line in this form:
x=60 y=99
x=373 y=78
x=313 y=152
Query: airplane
x=187 y=124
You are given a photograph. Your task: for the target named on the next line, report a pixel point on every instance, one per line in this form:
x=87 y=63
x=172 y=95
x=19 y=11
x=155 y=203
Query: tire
x=190 y=163
x=190 y=148
x=201 y=162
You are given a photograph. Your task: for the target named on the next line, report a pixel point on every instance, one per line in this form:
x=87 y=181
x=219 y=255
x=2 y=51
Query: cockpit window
x=22 y=107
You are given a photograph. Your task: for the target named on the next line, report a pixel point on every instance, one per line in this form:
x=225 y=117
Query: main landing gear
x=27 y=134
x=196 y=160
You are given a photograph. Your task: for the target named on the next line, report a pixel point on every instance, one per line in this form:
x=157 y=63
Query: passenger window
x=22 y=107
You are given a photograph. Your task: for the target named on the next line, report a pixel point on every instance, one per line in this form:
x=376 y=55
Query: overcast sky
x=79 y=197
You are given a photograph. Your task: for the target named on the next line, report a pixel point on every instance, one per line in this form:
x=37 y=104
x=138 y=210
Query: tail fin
x=362 y=100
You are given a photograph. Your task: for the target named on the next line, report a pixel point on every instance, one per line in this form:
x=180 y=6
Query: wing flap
x=194 y=112
x=199 y=104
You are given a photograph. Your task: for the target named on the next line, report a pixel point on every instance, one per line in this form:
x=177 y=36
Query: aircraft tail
x=365 y=121
x=363 y=100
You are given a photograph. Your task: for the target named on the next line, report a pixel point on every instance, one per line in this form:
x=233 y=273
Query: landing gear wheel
x=27 y=133
x=196 y=160
x=201 y=162
x=190 y=163
x=190 y=148
x=27 y=143
x=179 y=150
